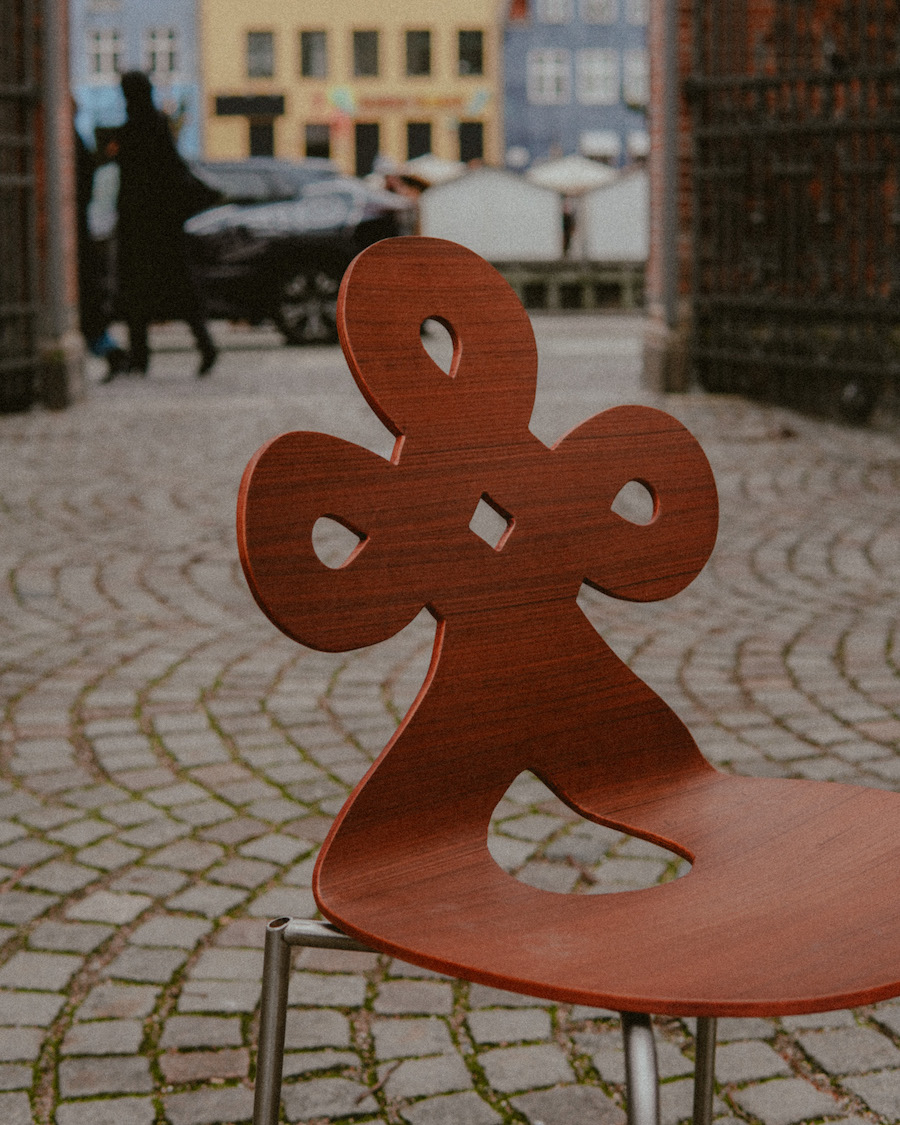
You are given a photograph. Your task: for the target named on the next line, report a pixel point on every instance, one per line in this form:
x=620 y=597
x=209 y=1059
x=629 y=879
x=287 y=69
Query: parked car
x=280 y=254
x=277 y=245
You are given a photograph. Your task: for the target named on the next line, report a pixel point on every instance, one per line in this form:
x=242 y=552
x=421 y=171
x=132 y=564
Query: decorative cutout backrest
x=519 y=679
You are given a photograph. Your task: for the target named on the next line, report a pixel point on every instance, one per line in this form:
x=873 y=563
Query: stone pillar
x=666 y=363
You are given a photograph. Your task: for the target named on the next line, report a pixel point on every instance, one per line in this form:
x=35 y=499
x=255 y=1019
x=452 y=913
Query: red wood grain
x=793 y=900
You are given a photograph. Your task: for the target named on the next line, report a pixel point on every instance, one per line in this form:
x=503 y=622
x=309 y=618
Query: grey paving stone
x=324 y=1097
x=850 y=1050
x=219 y=996
x=171 y=931
x=741 y=1062
x=108 y=1111
x=46 y=972
x=202 y=1031
x=20 y=1043
x=730 y=1029
x=298 y=903
x=785 y=1101
x=139 y=963
x=840 y=1018
x=158 y=882
x=483 y=996
x=452 y=1109
x=880 y=1092
x=82 y=1077
x=310 y=1062
x=118 y=1001
x=19 y=907
x=108 y=855
x=405 y=1038
x=15 y=1109
x=27 y=853
x=565 y=1105
x=440 y=1074
x=676 y=1102
x=155 y=833
x=605 y=1046
x=333 y=991
x=81 y=833
x=103 y=1037
x=518 y=1068
x=29 y=1009
x=499 y=1025
x=59 y=875
x=209 y=1106
x=15 y=1076
x=227 y=964
x=204 y=899
x=75 y=937
x=187 y=855
x=322 y=1027
x=425 y=997
x=106 y=906
x=275 y=847
x=889 y=1016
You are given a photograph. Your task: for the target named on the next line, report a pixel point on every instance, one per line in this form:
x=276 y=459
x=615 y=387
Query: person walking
x=157 y=194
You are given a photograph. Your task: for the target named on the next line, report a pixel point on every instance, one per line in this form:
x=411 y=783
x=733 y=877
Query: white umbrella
x=571 y=175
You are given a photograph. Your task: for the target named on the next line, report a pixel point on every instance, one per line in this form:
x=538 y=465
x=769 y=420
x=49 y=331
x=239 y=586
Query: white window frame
x=554 y=11
x=162 y=42
x=637 y=12
x=105 y=54
x=600 y=11
x=550 y=76
x=598 y=76
x=636 y=76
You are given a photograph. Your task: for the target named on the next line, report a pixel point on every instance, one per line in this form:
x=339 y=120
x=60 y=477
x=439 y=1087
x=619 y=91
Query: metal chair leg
x=273 y=1014
x=704 y=1069
x=641 y=1074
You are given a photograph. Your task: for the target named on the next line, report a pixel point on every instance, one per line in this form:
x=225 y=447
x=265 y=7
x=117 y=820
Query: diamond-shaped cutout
x=491 y=523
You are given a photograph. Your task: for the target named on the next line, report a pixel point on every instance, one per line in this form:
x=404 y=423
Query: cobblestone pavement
x=170 y=762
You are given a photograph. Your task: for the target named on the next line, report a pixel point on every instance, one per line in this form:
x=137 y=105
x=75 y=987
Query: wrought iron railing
x=18 y=227
x=796 y=129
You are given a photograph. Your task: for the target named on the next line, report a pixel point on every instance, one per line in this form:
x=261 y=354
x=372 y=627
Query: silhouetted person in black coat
x=157 y=193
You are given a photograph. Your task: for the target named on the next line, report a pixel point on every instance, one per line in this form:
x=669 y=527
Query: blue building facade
x=576 y=80
x=108 y=37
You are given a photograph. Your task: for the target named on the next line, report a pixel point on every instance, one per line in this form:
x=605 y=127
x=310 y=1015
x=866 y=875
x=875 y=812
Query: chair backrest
x=519 y=678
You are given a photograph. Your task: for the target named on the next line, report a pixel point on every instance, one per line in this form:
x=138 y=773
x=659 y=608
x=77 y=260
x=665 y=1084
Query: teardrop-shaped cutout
x=635 y=502
x=540 y=841
x=437 y=340
x=334 y=543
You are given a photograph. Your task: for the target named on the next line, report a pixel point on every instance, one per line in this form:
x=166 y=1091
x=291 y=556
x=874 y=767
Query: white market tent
x=570 y=175
x=497 y=214
x=613 y=221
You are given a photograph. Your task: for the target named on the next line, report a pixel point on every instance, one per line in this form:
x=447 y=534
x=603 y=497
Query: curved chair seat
x=790 y=906
x=792 y=903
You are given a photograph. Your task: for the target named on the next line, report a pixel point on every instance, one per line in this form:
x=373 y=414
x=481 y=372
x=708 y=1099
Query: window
x=418 y=53
x=260 y=54
x=262 y=137
x=104 y=45
x=554 y=11
x=365 y=54
x=636 y=81
x=367 y=137
x=597 y=76
x=471 y=52
x=549 y=77
x=471 y=141
x=600 y=11
x=318 y=141
x=313 y=54
x=418 y=139
x=161 y=59
x=637 y=12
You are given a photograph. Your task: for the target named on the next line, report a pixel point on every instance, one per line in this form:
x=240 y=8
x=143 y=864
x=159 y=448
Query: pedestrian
x=157 y=194
x=93 y=295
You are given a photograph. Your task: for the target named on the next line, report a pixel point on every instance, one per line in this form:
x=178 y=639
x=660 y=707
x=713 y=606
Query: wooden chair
x=792 y=902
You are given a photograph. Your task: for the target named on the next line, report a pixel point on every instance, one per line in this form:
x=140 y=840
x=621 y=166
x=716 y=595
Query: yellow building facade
x=352 y=79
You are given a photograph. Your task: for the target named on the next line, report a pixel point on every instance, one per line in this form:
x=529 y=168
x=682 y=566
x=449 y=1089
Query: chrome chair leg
x=704 y=1069
x=641 y=1074
x=281 y=934
x=273 y=1014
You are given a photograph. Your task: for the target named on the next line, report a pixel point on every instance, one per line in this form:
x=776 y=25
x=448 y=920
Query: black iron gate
x=796 y=123
x=18 y=234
